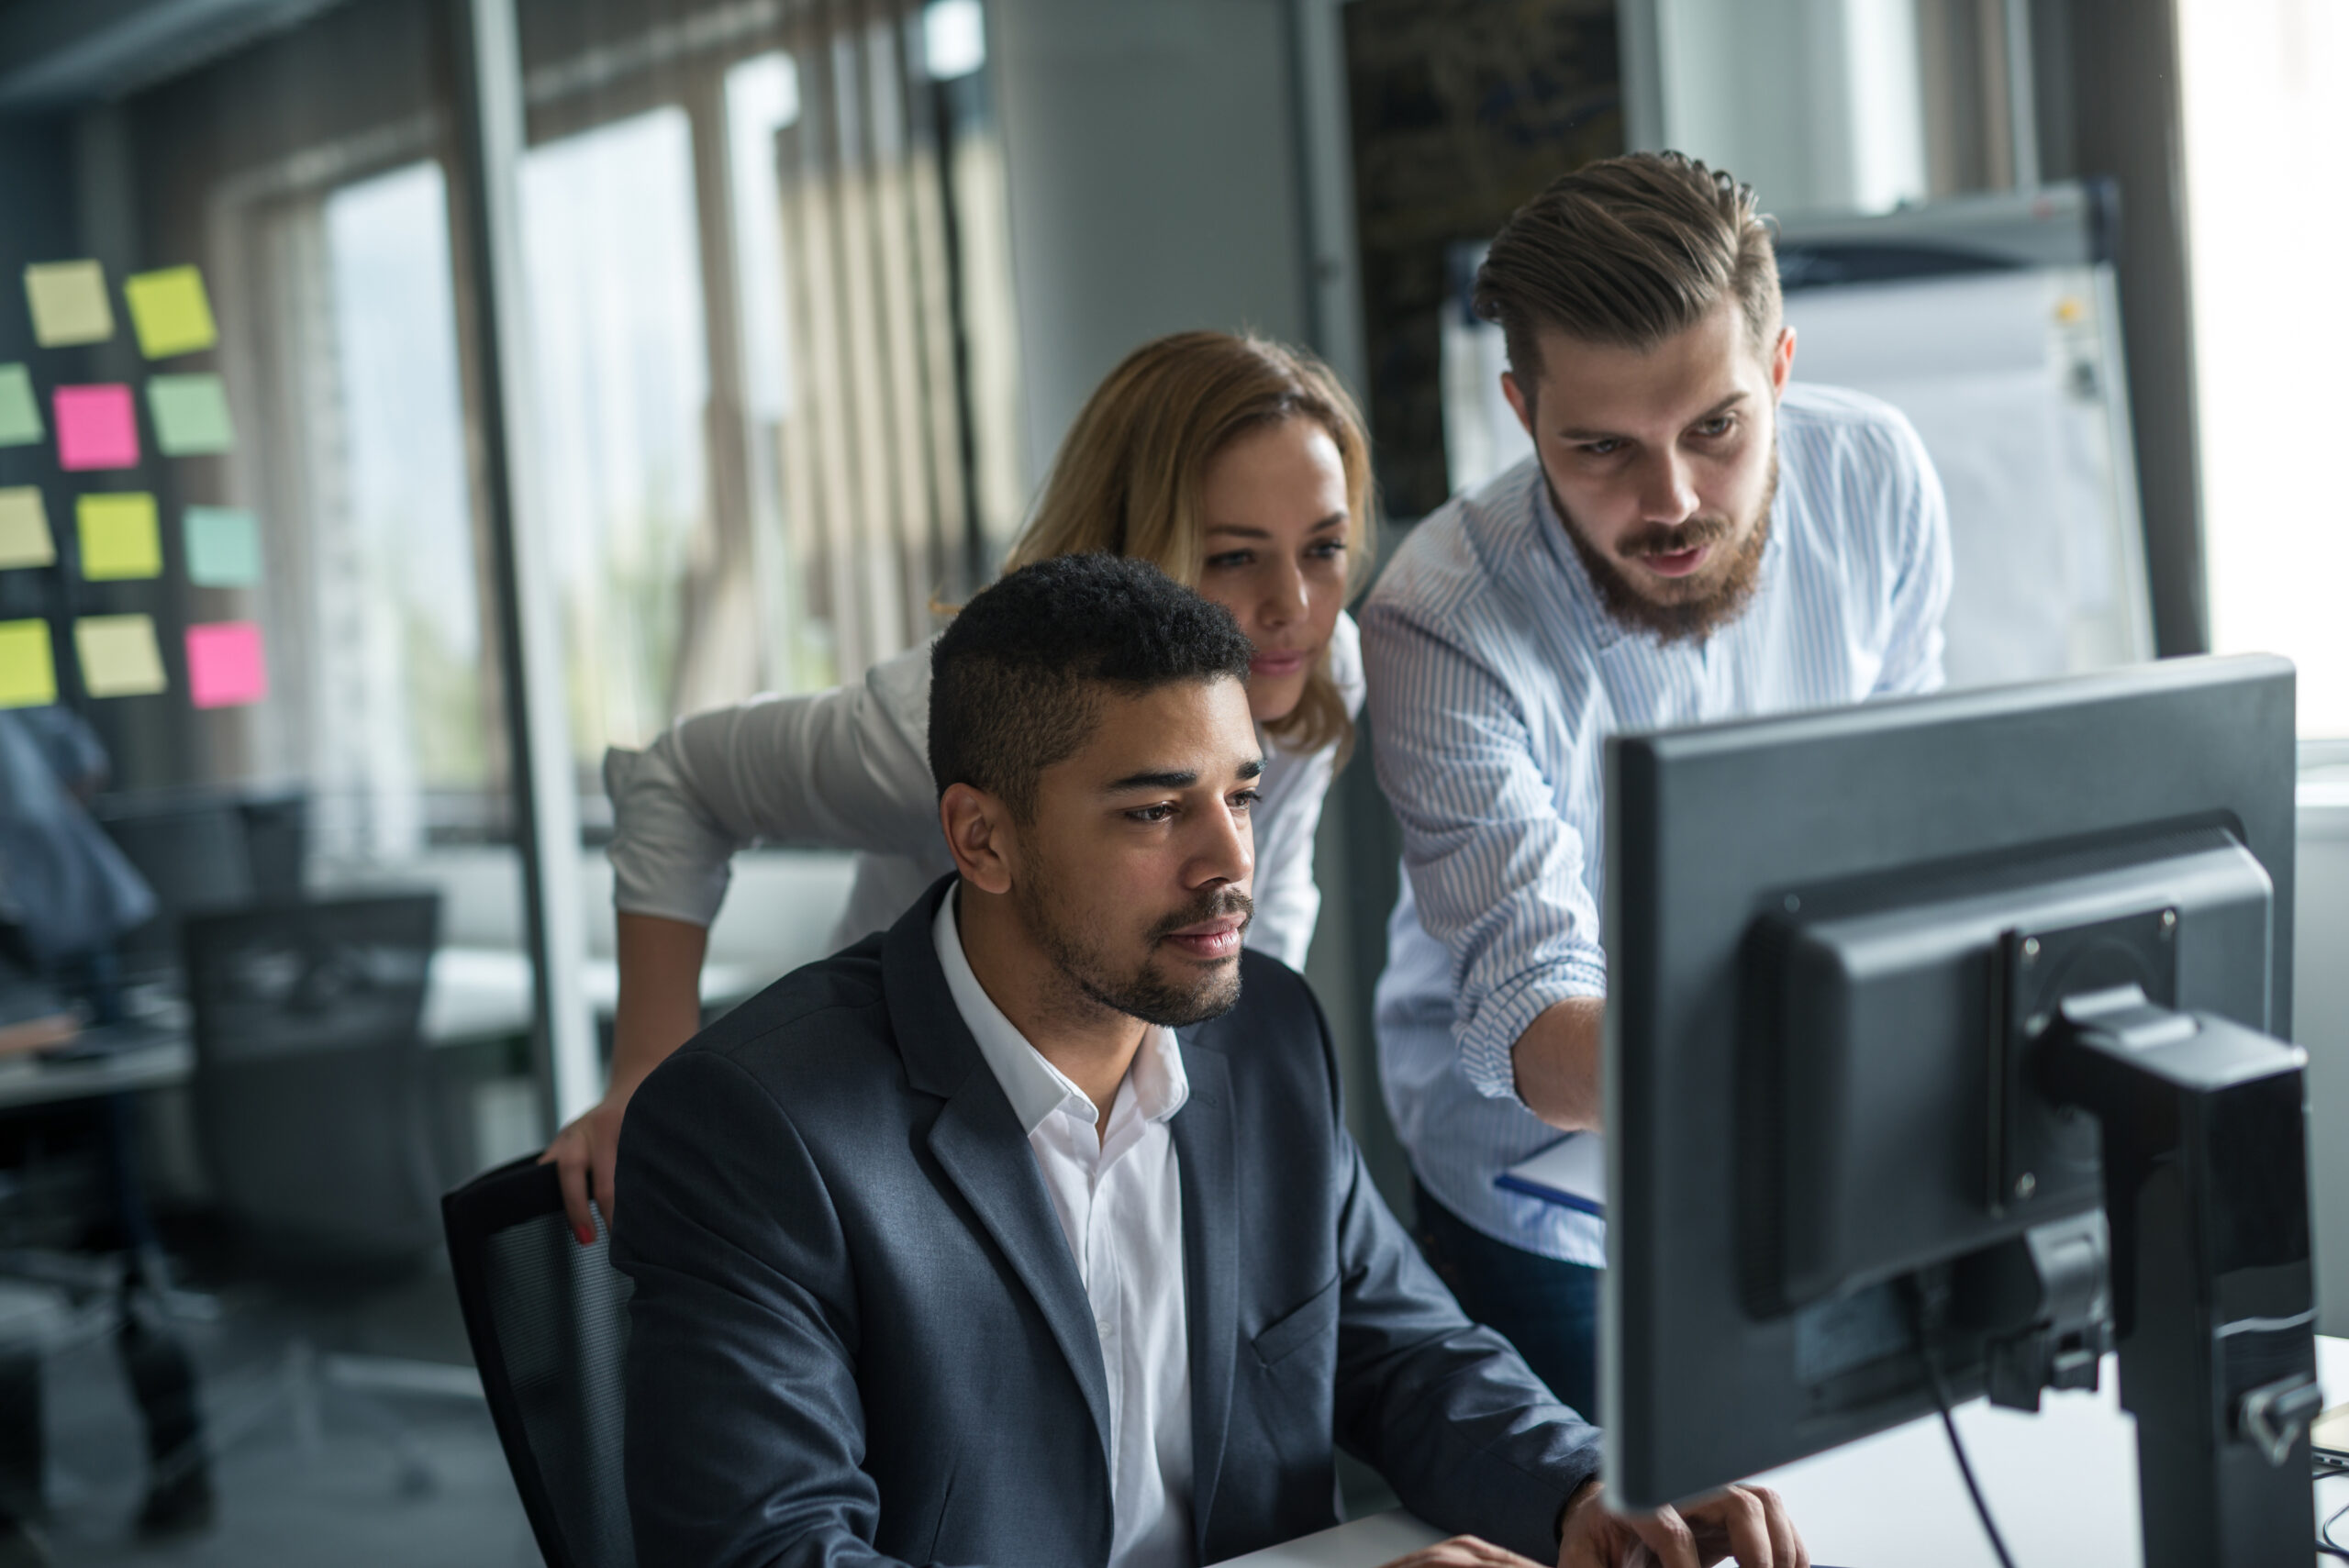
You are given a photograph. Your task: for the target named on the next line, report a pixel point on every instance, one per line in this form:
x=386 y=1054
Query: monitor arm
x=2205 y=1160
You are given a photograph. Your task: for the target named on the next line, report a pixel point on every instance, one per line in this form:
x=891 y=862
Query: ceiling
x=58 y=55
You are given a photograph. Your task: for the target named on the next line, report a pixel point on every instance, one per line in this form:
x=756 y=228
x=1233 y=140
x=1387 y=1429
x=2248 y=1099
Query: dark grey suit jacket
x=857 y=1335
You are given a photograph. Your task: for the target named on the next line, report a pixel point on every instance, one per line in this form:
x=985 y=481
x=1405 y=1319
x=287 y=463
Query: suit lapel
x=1207 y=1166
x=978 y=1143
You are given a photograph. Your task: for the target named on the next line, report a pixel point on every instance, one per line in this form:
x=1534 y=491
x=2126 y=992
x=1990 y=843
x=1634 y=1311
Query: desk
x=475 y=994
x=485 y=993
x=2061 y=1485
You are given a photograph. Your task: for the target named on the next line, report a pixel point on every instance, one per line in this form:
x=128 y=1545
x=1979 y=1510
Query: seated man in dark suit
x=1028 y=1232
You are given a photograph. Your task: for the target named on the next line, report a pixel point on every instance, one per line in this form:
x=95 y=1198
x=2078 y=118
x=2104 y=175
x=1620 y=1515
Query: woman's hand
x=583 y=1154
x=660 y=1009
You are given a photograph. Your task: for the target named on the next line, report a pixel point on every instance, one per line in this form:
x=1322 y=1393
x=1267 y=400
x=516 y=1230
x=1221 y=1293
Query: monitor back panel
x=1710 y=832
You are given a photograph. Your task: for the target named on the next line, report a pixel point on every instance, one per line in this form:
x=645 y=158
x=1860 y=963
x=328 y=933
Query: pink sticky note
x=224 y=664
x=96 y=427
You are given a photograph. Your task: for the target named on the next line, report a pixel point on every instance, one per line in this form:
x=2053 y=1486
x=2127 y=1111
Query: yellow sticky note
x=170 y=311
x=69 y=303
x=119 y=658
x=28 y=671
x=25 y=538
x=119 y=538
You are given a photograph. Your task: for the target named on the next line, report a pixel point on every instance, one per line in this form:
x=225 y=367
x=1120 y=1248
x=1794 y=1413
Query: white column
x=1817 y=104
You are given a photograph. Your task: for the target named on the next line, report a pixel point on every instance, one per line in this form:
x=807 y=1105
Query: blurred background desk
x=477 y=995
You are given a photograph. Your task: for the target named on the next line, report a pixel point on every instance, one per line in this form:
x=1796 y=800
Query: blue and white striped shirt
x=1496 y=676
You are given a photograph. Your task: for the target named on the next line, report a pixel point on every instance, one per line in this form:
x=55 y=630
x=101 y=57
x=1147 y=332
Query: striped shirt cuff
x=1487 y=1038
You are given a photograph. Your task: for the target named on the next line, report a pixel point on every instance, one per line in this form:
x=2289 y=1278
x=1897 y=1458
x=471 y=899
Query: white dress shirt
x=1497 y=676
x=1120 y=1206
x=849 y=769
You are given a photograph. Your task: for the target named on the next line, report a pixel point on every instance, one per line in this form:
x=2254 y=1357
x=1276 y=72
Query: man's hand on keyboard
x=1747 y=1524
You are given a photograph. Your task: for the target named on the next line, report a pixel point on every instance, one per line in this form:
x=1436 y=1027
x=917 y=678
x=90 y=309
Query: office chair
x=548 y=1323
x=310 y=1099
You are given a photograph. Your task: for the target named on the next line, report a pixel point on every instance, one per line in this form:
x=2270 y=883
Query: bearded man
x=1694 y=539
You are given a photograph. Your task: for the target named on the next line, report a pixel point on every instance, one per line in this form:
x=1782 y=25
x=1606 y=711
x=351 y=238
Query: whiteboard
x=2006 y=376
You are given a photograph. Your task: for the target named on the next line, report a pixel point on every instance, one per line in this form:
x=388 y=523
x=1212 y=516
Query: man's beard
x=1140 y=992
x=1677 y=620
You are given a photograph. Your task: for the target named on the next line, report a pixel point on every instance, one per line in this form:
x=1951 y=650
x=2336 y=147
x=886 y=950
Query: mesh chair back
x=310 y=1088
x=548 y=1323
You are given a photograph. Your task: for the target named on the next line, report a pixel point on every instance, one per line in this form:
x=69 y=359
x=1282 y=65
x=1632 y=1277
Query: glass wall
x=255 y=641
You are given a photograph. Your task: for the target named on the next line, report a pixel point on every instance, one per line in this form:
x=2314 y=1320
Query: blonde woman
x=1236 y=465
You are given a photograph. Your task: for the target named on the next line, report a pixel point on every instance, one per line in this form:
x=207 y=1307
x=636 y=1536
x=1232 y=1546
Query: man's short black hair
x=1018 y=677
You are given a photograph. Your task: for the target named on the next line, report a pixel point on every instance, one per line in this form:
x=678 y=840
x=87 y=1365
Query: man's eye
x=1602 y=449
x=1248 y=800
x=1718 y=426
x=1159 y=813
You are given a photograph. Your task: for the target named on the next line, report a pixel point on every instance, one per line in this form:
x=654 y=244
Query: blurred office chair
x=548 y=1323
x=310 y=1098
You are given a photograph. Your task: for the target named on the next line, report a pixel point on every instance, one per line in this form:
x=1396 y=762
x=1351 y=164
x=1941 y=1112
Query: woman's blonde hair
x=1128 y=476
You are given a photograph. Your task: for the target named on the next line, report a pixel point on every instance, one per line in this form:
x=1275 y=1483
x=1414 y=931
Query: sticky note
x=19 y=409
x=96 y=427
x=223 y=547
x=28 y=671
x=191 y=415
x=69 y=303
x=170 y=311
x=120 y=539
x=119 y=655
x=224 y=664
x=25 y=538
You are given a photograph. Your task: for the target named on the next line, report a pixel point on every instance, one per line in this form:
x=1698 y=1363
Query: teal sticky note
x=223 y=547
x=191 y=415
x=20 y=423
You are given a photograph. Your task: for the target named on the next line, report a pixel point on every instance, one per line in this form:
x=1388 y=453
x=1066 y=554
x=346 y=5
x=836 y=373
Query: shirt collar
x=1599 y=624
x=1034 y=1086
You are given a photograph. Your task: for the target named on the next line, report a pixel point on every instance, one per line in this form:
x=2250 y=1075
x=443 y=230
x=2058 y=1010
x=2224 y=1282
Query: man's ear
x=1518 y=401
x=1782 y=361
x=980 y=836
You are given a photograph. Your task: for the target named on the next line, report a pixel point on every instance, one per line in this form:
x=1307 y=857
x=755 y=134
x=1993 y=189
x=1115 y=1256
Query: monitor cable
x=2324 y=1541
x=1932 y=1308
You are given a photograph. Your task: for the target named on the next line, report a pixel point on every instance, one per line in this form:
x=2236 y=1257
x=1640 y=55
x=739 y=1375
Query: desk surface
x=2061 y=1485
x=475 y=994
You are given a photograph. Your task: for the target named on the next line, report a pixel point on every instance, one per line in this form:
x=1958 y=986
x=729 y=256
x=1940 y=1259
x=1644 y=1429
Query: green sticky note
x=171 y=312
x=120 y=539
x=20 y=423
x=27 y=670
x=191 y=415
x=119 y=658
x=223 y=547
x=25 y=538
x=69 y=303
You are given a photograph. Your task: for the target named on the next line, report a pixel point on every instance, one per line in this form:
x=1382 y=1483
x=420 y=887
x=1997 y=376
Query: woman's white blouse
x=849 y=769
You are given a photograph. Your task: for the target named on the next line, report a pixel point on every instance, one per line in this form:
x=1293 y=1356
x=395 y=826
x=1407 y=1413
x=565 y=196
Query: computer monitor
x=1856 y=960
x=202 y=849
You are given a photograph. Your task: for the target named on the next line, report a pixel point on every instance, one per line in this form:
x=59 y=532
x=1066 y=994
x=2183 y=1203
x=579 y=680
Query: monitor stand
x=2205 y=1163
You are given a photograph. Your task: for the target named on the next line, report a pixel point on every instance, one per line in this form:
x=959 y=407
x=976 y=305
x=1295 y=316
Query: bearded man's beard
x=1092 y=979
x=1677 y=620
